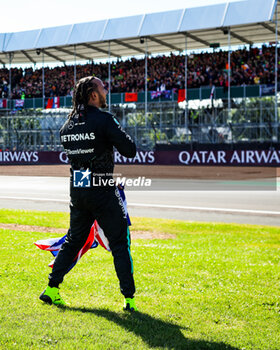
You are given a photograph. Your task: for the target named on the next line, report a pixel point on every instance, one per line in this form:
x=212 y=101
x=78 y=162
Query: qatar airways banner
x=185 y=158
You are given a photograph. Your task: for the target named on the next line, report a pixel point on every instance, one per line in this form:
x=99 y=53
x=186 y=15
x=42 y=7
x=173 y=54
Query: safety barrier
x=201 y=93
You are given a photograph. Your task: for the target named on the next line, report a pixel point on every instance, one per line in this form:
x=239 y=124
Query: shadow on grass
x=153 y=331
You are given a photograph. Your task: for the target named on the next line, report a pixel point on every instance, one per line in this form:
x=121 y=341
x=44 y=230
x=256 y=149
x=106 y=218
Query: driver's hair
x=82 y=91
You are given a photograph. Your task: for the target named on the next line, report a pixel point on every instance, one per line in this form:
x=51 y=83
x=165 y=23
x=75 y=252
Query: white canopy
x=250 y=22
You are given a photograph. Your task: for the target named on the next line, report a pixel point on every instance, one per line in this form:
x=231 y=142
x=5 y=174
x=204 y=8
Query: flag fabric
x=54 y=244
x=50 y=103
x=51 y=244
x=167 y=94
x=56 y=102
x=267 y=90
x=122 y=195
x=53 y=103
x=96 y=237
x=3 y=103
x=19 y=103
x=131 y=97
x=155 y=94
x=212 y=92
x=181 y=95
x=99 y=236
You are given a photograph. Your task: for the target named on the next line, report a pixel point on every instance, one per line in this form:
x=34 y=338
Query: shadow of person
x=153 y=331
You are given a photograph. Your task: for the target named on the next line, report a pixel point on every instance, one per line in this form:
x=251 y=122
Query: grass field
x=215 y=286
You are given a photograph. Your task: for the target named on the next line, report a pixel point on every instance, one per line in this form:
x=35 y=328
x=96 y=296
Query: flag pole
x=43 y=79
x=109 y=74
x=146 y=82
x=276 y=74
x=186 y=87
x=75 y=65
x=229 y=72
x=10 y=81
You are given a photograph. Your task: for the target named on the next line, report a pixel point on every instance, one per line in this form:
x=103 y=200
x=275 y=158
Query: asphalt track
x=248 y=203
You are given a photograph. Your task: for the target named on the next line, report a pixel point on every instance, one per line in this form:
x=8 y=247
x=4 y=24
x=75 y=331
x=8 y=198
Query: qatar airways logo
x=202 y=157
x=20 y=157
x=140 y=158
x=236 y=157
x=77 y=137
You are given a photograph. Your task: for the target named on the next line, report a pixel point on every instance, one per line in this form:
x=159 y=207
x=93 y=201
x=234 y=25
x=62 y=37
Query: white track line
x=162 y=206
x=245 y=211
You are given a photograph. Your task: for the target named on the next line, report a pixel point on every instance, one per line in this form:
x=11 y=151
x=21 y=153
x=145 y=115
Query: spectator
x=254 y=66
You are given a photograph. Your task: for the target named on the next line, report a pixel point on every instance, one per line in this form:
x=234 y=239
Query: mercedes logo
x=71 y=125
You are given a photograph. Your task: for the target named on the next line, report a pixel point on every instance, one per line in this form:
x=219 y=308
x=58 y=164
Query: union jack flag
x=96 y=237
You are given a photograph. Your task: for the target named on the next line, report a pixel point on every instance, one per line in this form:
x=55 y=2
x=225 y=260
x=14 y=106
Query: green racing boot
x=129 y=304
x=51 y=296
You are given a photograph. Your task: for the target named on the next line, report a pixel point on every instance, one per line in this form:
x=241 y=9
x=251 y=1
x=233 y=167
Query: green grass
x=39 y=218
x=216 y=286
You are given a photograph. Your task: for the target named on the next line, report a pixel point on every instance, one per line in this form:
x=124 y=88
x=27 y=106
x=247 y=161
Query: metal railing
x=252 y=120
x=202 y=93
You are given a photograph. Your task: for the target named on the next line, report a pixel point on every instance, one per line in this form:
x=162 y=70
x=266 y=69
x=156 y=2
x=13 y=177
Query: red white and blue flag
x=56 y=102
x=53 y=102
x=3 y=103
x=155 y=94
x=19 y=103
x=96 y=237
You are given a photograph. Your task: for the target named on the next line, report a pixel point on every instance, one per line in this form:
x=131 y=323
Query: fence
x=201 y=93
x=249 y=120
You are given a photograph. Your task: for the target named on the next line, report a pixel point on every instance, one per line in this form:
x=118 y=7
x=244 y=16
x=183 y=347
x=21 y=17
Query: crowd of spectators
x=253 y=66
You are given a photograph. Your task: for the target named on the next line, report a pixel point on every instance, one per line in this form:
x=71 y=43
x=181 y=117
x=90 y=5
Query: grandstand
x=253 y=66
x=225 y=97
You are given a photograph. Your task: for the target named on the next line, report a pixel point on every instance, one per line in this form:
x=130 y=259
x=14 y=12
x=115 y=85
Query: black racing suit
x=88 y=141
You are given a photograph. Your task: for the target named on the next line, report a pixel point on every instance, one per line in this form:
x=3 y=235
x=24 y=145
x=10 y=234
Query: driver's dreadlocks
x=83 y=89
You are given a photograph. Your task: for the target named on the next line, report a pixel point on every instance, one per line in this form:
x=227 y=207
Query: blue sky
x=19 y=15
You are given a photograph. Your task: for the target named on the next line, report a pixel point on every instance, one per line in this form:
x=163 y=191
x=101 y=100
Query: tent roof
x=250 y=22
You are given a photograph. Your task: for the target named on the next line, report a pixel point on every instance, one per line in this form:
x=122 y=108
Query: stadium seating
x=248 y=66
